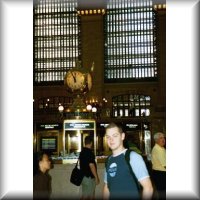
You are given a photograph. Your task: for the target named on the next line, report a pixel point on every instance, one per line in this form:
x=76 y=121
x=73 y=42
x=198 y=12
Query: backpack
x=127 y=158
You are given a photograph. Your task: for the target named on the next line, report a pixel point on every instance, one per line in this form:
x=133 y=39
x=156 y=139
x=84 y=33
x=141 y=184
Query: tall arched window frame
x=131 y=105
x=56 y=37
x=130 y=48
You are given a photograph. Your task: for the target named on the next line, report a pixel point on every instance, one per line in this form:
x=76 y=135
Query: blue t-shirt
x=119 y=179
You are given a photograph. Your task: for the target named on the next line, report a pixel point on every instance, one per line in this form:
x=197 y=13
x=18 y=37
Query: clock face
x=75 y=80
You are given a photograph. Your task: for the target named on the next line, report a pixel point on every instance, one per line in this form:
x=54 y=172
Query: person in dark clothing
x=41 y=178
x=89 y=168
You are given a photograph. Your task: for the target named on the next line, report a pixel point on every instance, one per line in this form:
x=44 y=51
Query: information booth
x=48 y=138
x=74 y=133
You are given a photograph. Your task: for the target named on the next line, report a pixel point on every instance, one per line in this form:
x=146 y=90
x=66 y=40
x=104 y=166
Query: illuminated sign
x=104 y=125
x=137 y=126
x=79 y=125
x=132 y=125
x=49 y=126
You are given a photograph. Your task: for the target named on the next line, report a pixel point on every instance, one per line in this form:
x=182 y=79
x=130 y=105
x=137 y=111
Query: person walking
x=158 y=159
x=89 y=167
x=118 y=181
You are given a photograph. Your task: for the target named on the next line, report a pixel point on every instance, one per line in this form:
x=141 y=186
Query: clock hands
x=74 y=76
x=78 y=81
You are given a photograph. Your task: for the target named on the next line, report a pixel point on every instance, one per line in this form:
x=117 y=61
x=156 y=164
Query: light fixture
x=91 y=12
x=60 y=108
x=89 y=107
x=94 y=109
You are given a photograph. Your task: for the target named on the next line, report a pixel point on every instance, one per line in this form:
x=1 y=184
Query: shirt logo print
x=112 y=169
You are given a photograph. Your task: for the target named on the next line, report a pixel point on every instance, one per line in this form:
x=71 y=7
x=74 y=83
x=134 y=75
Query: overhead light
x=60 y=108
x=89 y=107
x=94 y=109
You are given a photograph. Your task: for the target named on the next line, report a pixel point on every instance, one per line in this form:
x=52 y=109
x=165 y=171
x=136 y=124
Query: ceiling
x=91 y=4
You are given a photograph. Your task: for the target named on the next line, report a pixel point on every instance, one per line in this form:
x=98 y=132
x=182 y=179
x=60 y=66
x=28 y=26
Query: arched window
x=131 y=105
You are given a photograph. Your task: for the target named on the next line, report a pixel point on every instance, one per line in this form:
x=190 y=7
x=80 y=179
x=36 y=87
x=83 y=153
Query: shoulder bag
x=76 y=175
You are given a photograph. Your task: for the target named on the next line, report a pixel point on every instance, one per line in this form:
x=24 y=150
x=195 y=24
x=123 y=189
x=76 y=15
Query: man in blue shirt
x=118 y=181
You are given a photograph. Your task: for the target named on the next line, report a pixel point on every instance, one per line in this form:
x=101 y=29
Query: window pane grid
x=52 y=103
x=131 y=105
x=56 y=39
x=130 y=42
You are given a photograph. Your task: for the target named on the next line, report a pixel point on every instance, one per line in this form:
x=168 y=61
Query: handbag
x=76 y=175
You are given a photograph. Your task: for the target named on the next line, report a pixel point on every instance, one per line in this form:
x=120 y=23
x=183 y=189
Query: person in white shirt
x=158 y=159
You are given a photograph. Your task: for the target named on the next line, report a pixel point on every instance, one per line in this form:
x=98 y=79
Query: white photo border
x=182 y=99
x=16 y=124
x=16 y=135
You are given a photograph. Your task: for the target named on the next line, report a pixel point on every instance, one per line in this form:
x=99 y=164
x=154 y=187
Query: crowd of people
x=126 y=175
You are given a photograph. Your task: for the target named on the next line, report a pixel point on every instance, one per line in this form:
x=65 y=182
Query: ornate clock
x=78 y=80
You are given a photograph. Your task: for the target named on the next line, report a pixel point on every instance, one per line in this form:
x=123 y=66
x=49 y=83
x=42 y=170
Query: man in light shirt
x=159 y=164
